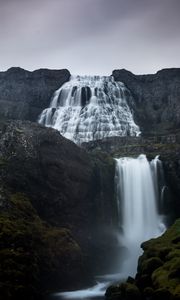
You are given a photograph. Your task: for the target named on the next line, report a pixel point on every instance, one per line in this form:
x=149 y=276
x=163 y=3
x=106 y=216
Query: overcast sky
x=90 y=36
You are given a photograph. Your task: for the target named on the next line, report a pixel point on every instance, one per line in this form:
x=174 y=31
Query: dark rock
x=34 y=257
x=24 y=94
x=130 y=279
x=148 y=293
x=162 y=294
x=157 y=105
x=125 y=291
x=66 y=186
x=176 y=240
x=113 y=289
x=143 y=281
x=132 y=292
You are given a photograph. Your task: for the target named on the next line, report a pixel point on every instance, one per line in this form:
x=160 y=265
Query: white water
x=96 y=291
x=137 y=201
x=89 y=108
x=137 y=198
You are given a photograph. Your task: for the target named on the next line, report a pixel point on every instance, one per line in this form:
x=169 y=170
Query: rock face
x=157 y=99
x=24 y=94
x=66 y=188
x=167 y=147
x=158 y=275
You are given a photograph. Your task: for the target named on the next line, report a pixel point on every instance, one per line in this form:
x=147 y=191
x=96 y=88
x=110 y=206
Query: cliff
x=57 y=207
x=157 y=99
x=24 y=94
x=156 y=105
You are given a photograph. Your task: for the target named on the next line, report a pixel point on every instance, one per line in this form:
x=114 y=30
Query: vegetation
x=158 y=275
x=32 y=252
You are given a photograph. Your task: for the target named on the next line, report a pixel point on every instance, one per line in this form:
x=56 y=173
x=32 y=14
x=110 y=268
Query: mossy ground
x=32 y=252
x=166 y=248
x=158 y=276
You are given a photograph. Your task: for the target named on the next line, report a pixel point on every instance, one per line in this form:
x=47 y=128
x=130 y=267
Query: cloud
x=90 y=36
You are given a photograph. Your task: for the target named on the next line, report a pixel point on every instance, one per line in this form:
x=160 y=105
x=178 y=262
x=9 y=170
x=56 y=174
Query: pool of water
x=95 y=292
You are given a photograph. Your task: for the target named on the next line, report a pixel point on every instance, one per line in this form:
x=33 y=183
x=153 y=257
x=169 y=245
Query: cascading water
x=89 y=108
x=137 y=201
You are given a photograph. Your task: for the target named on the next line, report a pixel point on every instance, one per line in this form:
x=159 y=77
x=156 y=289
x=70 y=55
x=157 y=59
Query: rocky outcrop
x=157 y=99
x=134 y=145
x=24 y=94
x=158 y=274
x=66 y=188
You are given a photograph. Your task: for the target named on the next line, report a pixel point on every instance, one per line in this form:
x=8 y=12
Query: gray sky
x=90 y=36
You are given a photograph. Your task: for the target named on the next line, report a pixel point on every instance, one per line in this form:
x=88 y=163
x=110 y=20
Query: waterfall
x=137 y=201
x=89 y=108
x=138 y=193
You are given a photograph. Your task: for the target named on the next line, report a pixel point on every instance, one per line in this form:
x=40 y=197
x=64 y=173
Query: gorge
x=65 y=192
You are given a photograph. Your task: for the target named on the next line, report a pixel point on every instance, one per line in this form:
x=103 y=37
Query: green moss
x=162 y=294
x=149 y=265
x=172 y=254
x=148 y=292
x=158 y=276
x=32 y=252
x=166 y=247
x=177 y=292
x=22 y=206
x=132 y=292
x=3 y=162
x=124 y=291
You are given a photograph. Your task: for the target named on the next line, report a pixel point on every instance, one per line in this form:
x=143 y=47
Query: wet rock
x=124 y=291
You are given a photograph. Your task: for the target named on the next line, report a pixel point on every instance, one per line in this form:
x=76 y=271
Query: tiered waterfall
x=89 y=108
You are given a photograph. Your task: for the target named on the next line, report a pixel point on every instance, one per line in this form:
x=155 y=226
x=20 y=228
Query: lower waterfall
x=138 y=195
x=137 y=202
